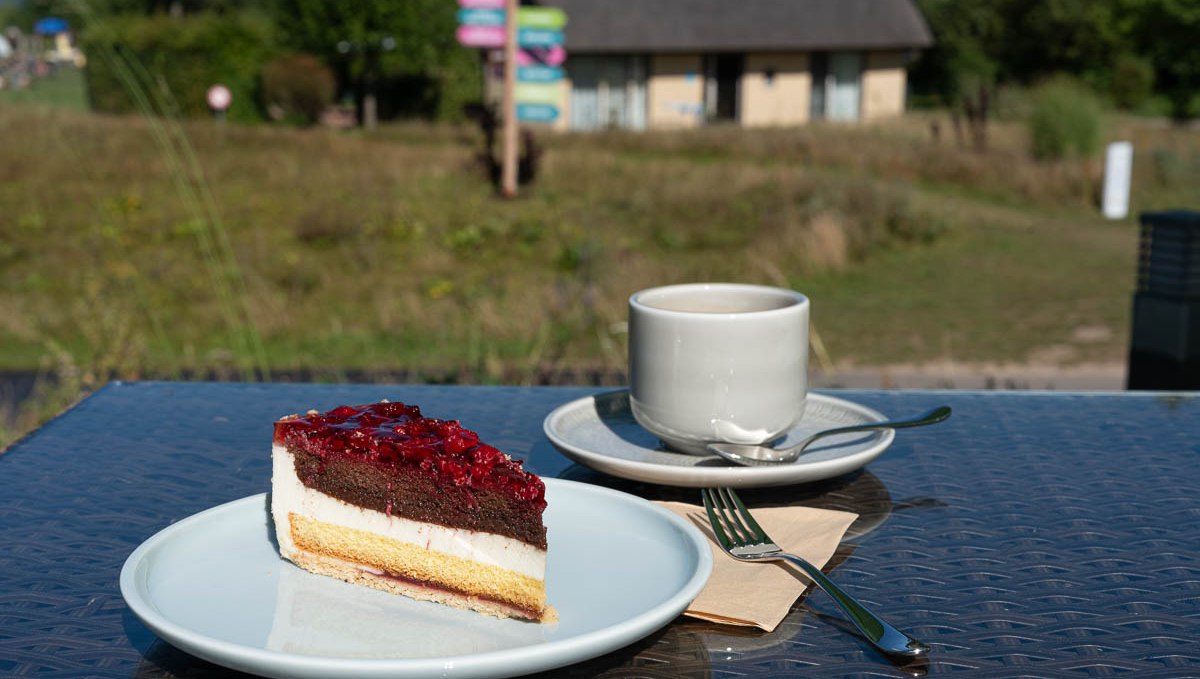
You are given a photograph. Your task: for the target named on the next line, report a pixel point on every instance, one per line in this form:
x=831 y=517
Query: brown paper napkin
x=761 y=594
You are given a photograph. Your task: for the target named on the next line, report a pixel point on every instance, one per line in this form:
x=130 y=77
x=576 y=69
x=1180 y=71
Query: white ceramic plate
x=600 y=432
x=618 y=568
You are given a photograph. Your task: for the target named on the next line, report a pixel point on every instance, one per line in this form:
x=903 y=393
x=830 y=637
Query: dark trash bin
x=1164 y=351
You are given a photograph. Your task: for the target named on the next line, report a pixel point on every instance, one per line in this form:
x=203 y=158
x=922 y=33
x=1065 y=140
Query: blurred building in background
x=685 y=63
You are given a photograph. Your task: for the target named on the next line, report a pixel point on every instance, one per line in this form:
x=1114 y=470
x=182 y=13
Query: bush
x=1132 y=82
x=1011 y=103
x=297 y=87
x=1064 y=120
x=164 y=65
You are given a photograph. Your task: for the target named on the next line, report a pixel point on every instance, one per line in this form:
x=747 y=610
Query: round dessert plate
x=214 y=586
x=600 y=432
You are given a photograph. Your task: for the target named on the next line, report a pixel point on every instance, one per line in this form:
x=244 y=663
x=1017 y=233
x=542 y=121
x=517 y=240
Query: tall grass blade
x=158 y=108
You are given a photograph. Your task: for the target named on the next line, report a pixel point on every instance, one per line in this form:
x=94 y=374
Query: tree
x=1044 y=37
x=364 y=40
x=963 y=66
x=1166 y=32
x=1106 y=43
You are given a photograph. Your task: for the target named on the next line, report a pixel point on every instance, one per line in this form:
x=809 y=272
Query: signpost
x=540 y=38
x=543 y=56
x=481 y=16
x=537 y=93
x=508 y=167
x=537 y=113
x=481 y=23
x=532 y=39
x=551 y=18
x=538 y=74
x=470 y=35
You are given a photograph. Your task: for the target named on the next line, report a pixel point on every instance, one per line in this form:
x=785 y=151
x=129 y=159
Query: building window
x=607 y=91
x=836 y=85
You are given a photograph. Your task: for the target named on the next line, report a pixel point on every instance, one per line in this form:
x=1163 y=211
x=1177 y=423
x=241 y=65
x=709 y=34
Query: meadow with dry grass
x=147 y=248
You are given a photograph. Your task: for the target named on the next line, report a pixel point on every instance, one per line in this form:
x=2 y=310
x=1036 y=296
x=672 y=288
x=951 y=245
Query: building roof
x=741 y=25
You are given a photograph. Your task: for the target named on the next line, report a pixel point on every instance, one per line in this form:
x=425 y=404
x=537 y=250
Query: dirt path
x=952 y=375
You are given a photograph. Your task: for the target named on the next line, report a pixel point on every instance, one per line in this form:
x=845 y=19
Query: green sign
x=538 y=93
x=551 y=18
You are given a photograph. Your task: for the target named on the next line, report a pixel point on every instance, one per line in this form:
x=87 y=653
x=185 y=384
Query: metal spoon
x=752 y=455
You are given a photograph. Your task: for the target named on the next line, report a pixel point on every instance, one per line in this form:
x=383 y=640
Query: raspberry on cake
x=381 y=496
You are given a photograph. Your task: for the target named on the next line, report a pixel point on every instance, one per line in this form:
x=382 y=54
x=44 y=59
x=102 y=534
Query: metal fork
x=740 y=535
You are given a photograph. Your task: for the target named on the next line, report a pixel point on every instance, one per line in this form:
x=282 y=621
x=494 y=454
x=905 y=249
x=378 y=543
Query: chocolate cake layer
x=413 y=494
x=388 y=457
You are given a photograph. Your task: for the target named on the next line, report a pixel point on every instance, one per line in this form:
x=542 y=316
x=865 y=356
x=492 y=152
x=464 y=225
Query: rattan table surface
x=1032 y=534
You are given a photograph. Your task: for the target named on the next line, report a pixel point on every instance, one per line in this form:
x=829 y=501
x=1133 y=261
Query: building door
x=844 y=90
x=607 y=91
x=836 y=85
x=818 y=71
x=585 y=93
x=723 y=77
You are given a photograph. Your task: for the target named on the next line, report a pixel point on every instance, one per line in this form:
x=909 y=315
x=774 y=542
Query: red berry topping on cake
x=395 y=435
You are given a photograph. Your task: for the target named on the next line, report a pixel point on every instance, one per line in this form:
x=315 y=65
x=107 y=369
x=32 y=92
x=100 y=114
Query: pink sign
x=481 y=4
x=480 y=36
x=219 y=97
x=541 y=56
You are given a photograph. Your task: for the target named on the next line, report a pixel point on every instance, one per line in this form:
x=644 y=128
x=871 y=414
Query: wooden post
x=508 y=169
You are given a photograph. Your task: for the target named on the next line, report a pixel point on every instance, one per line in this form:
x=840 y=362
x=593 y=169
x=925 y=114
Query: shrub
x=1064 y=120
x=1011 y=103
x=297 y=87
x=164 y=65
x=1132 y=82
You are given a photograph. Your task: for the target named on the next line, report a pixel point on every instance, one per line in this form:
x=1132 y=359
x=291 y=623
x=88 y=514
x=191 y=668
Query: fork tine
x=746 y=519
x=733 y=517
x=710 y=499
x=728 y=518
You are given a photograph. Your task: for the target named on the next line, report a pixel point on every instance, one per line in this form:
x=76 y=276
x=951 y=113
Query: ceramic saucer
x=599 y=432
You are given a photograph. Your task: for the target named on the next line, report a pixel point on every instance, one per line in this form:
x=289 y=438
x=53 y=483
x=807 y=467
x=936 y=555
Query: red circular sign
x=219 y=97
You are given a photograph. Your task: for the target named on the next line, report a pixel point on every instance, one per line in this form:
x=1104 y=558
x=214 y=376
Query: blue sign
x=480 y=17
x=50 y=26
x=539 y=74
x=539 y=37
x=537 y=113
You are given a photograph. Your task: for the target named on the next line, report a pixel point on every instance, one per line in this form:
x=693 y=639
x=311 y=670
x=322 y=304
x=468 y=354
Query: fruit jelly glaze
x=395 y=436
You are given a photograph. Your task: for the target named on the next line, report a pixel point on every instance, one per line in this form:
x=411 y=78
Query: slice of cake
x=381 y=496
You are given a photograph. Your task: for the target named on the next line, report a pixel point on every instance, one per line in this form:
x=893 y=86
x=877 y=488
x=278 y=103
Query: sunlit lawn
x=142 y=248
x=62 y=89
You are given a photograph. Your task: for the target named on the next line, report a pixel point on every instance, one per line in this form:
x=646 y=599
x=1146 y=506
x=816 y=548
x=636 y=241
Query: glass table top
x=1033 y=533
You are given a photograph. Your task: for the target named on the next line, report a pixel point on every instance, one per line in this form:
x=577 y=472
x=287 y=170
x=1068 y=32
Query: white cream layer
x=288 y=494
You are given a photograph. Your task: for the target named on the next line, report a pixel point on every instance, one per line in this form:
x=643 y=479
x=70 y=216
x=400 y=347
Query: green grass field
x=141 y=248
x=63 y=89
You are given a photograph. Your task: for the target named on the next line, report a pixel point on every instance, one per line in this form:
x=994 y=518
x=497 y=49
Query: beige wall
x=884 y=81
x=675 y=91
x=780 y=100
x=564 y=107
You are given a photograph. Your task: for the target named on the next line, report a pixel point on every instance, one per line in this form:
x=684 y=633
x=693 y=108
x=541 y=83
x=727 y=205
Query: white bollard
x=1118 y=168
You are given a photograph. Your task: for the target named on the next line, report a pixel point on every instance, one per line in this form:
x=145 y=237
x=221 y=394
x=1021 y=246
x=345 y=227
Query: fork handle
x=887 y=638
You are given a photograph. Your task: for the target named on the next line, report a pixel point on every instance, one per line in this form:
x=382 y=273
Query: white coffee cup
x=717 y=362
